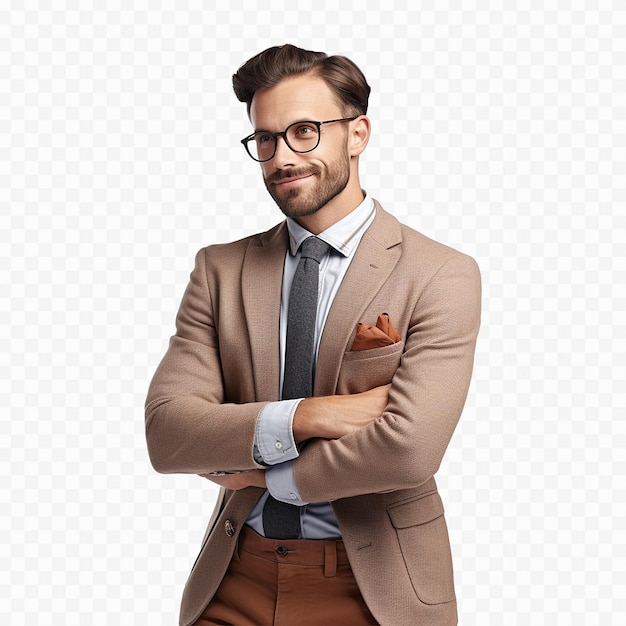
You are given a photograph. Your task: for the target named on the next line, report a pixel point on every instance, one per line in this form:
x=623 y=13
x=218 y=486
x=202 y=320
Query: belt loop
x=330 y=559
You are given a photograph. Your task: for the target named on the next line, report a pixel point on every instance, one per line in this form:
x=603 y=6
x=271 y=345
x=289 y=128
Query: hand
x=332 y=417
x=238 y=480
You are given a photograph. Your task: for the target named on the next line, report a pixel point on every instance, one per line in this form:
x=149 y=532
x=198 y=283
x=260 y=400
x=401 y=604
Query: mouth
x=290 y=176
x=292 y=181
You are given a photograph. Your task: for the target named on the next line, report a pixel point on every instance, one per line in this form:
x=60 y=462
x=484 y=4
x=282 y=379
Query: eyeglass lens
x=300 y=137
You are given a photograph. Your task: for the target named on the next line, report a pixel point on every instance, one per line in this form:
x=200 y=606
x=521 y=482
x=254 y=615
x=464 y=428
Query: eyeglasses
x=301 y=137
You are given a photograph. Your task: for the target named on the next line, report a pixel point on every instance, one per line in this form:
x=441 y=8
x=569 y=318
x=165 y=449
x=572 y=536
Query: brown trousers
x=291 y=582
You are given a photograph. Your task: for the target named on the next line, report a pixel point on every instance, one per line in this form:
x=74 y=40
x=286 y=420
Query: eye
x=304 y=130
x=262 y=138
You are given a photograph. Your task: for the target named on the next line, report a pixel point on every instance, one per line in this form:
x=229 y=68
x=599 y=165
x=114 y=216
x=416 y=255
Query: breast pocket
x=423 y=537
x=365 y=369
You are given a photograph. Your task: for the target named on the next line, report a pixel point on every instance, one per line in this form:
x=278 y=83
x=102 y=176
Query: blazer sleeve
x=405 y=446
x=189 y=428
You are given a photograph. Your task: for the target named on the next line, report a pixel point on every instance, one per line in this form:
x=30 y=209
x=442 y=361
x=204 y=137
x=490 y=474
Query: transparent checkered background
x=499 y=128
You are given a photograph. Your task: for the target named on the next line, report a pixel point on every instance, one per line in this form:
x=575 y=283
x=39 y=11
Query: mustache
x=294 y=173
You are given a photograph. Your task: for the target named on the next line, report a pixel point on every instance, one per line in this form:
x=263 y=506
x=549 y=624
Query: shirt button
x=229 y=528
x=278 y=445
x=293 y=496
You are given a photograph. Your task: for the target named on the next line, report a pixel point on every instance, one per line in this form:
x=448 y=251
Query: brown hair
x=269 y=67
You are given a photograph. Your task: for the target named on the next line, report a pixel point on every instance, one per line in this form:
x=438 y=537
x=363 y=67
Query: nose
x=284 y=155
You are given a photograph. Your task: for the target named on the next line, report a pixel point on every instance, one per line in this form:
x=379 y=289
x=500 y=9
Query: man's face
x=301 y=184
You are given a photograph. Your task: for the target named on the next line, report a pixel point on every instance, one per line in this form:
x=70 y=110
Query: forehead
x=296 y=98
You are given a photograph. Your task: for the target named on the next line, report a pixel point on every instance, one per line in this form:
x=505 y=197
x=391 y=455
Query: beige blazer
x=222 y=366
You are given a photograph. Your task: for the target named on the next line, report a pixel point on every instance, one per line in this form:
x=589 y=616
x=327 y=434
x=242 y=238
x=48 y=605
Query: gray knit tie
x=282 y=520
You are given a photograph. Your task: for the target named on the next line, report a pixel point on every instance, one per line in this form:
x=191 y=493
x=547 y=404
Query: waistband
x=327 y=553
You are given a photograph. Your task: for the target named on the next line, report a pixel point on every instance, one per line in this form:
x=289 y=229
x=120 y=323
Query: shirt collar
x=343 y=236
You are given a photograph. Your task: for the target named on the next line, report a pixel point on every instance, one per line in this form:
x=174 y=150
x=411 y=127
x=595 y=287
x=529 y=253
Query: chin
x=294 y=205
x=295 y=209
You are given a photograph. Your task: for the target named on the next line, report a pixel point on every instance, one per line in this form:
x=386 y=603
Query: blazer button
x=229 y=527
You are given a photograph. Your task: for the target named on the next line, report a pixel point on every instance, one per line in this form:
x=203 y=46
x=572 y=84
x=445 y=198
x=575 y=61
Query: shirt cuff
x=273 y=438
x=281 y=484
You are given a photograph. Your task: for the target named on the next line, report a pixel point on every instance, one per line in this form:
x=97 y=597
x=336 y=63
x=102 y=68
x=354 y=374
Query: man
x=318 y=380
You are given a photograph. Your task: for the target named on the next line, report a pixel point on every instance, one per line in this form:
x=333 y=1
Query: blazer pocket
x=423 y=538
x=365 y=369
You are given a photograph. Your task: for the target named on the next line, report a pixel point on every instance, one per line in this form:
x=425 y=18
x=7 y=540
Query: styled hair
x=271 y=66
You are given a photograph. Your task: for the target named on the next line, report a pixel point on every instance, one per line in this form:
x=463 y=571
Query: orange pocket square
x=383 y=334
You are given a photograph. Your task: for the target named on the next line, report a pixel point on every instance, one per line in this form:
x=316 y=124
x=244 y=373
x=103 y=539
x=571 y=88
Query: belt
x=326 y=553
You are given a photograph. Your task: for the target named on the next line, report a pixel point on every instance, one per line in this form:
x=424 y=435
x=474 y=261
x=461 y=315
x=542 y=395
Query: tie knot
x=314 y=248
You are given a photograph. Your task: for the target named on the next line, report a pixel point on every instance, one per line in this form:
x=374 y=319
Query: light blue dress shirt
x=274 y=442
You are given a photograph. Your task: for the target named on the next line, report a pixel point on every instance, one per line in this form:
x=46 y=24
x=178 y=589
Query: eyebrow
x=298 y=121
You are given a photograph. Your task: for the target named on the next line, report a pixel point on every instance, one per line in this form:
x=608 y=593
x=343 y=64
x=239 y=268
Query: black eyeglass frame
x=283 y=134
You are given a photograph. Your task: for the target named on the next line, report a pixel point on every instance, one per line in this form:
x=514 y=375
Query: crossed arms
x=384 y=439
x=325 y=417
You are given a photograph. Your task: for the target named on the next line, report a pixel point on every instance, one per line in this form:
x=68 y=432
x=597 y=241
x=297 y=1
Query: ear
x=360 y=130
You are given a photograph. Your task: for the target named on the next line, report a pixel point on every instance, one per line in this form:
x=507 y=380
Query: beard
x=296 y=203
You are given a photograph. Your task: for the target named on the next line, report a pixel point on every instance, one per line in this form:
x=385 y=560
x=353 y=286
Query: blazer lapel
x=373 y=262
x=261 y=285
